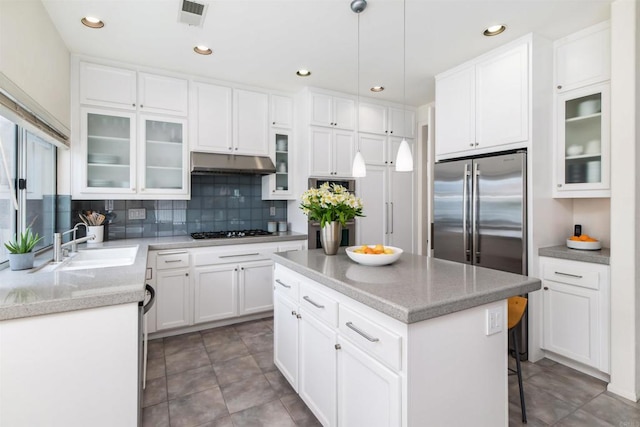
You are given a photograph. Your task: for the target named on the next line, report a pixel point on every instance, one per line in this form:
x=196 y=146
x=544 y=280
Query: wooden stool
x=517 y=306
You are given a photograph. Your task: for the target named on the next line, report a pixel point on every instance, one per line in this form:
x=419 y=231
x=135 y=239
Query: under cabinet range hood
x=226 y=164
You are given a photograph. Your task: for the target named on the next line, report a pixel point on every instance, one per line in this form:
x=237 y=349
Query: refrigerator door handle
x=476 y=214
x=465 y=211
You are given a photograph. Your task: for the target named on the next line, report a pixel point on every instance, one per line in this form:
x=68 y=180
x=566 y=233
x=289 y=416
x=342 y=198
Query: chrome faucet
x=58 y=246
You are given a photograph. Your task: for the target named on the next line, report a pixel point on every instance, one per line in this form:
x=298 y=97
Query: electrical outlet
x=138 y=213
x=272 y=211
x=495 y=318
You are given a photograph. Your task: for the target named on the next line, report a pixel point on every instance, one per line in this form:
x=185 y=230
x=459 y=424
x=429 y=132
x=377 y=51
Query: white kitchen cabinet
x=387 y=196
x=78 y=366
x=255 y=291
x=331 y=152
x=583 y=58
x=163 y=94
x=212 y=114
x=318 y=360
x=368 y=392
x=124 y=155
x=383 y=120
x=483 y=105
x=576 y=313
x=280 y=185
x=105 y=161
x=281 y=111
x=582 y=167
x=251 y=122
x=107 y=86
x=380 y=150
x=332 y=111
x=173 y=299
x=285 y=332
x=215 y=292
x=162 y=156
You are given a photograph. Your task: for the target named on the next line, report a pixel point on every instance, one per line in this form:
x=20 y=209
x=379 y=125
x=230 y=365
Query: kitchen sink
x=94 y=258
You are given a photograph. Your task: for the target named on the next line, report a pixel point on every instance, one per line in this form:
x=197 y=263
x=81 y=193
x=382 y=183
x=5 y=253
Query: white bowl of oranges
x=374 y=255
x=584 y=242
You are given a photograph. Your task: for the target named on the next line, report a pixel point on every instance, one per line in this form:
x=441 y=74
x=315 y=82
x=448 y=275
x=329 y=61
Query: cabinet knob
x=337 y=346
x=142 y=189
x=133 y=188
x=546 y=288
x=298 y=316
x=471 y=145
x=236 y=148
x=273 y=123
x=559 y=86
x=133 y=105
x=559 y=185
x=391 y=132
x=141 y=106
x=293 y=313
x=476 y=144
x=186 y=274
x=230 y=148
x=386 y=131
x=391 y=162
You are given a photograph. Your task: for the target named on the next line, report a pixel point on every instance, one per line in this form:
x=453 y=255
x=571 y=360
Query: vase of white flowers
x=332 y=205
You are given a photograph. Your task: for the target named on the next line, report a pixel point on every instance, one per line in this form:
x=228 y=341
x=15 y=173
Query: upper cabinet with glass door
x=582 y=125
x=132 y=135
x=279 y=185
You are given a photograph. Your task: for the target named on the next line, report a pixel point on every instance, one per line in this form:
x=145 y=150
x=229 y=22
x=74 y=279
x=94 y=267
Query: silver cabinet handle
x=167 y=261
x=567 y=274
x=391 y=220
x=233 y=256
x=310 y=301
x=386 y=224
x=283 y=284
x=361 y=332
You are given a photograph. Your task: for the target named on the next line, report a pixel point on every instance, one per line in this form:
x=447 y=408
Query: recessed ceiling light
x=91 y=22
x=377 y=89
x=494 y=30
x=303 y=73
x=202 y=50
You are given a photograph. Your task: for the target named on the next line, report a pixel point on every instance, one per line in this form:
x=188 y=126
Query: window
x=27 y=185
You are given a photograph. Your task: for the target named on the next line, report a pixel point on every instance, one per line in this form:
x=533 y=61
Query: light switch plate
x=495 y=319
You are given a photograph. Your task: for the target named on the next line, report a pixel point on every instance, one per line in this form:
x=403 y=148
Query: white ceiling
x=263 y=42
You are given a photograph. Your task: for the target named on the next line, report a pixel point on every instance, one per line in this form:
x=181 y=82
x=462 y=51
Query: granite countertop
x=601 y=256
x=412 y=289
x=27 y=293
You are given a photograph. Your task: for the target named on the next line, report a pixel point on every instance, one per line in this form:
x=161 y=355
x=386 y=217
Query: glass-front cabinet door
x=109 y=151
x=583 y=134
x=278 y=186
x=163 y=166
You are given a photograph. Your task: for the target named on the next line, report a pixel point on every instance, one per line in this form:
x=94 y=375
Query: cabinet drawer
x=172 y=259
x=286 y=284
x=319 y=304
x=573 y=273
x=227 y=255
x=371 y=337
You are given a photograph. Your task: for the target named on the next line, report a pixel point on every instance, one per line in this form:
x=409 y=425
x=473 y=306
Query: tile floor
x=226 y=377
x=220 y=377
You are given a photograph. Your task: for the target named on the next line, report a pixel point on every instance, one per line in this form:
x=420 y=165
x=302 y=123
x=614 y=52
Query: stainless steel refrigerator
x=479 y=211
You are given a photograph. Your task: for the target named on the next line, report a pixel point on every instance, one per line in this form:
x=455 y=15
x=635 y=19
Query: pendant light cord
x=404 y=63
x=358 y=87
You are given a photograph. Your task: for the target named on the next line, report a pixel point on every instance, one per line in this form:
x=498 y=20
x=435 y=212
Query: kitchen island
x=419 y=342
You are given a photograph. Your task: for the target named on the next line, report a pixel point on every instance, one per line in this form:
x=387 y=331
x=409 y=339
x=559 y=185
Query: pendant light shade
x=359 y=170
x=404 y=159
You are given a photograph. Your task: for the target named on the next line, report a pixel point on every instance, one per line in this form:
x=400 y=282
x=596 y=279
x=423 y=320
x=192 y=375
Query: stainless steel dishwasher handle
x=283 y=284
x=312 y=302
x=350 y=325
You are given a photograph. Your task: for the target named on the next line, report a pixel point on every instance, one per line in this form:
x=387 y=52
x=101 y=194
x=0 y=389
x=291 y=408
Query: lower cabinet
x=216 y=292
x=343 y=384
x=576 y=314
x=255 y=279
x=369 y=394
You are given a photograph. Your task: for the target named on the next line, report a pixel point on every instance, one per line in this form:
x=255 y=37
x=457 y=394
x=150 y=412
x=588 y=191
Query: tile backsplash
x=218 y=203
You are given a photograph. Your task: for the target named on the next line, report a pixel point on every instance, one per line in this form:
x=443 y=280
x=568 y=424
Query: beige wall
x=595 y=217
x=34 y=61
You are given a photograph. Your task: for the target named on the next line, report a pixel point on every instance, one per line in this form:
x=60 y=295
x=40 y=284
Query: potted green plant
x=20 y=250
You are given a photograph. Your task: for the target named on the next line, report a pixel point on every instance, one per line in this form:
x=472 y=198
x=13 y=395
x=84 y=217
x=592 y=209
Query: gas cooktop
x=229 y=234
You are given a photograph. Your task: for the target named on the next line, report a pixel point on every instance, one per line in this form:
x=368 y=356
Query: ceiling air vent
x=192 y=13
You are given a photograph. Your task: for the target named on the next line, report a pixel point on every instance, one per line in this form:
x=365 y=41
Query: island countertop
x=412 y=289
x=28 y=293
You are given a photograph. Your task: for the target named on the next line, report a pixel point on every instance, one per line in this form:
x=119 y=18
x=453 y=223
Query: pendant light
x=359 y=169
x=404 y=158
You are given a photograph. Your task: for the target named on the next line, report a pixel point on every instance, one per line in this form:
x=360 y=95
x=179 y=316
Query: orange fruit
x=584 y=237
